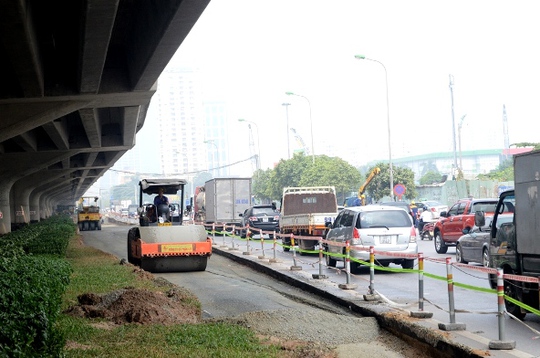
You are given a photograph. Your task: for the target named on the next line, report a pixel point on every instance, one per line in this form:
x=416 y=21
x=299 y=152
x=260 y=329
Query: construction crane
x=300 y=141
x=376 y=171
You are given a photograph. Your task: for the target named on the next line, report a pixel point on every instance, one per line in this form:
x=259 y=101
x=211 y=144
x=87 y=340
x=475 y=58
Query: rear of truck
x=307 y=211
x=226 y=199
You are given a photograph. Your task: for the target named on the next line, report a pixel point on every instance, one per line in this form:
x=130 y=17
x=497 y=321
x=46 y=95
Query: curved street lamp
x=310 y=122
x=362 y=57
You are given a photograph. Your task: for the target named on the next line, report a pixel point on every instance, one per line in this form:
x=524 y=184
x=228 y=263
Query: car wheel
x=440 y=246
x=459 y=254
x=330 y=261
x=355 y=266
x=485 y=257
x=407 y=264
x=510 y=289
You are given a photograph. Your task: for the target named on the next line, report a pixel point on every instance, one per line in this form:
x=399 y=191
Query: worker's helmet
x=412 y=202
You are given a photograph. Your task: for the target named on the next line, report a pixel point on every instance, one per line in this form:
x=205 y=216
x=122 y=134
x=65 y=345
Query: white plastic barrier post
x=421 y=281
x=261 y=234
x=294 y=267
x=501 y=343
x=223 y=236
x=371 y=270
x=232 y=238
x=421 y=313
x=348 y=285
x=248 y=234
x=274 y=258
x=213 y=233
x=320 y=275
x=452 y=326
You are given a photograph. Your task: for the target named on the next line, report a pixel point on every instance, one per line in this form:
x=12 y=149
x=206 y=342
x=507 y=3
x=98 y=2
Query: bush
x=31 y=290
x=33 y=277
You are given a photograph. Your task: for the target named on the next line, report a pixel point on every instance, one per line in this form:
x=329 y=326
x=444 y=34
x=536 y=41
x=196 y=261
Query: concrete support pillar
x=21 y=203
x=5 y=208
x=35 y=214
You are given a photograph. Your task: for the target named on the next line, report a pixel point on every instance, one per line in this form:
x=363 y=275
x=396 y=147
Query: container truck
x=222 y=200
x=515 y=246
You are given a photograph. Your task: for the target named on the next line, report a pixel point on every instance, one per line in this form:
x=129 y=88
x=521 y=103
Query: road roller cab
x=161 y=244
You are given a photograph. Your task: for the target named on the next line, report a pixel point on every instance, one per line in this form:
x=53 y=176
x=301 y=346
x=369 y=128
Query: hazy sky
x=252 y=51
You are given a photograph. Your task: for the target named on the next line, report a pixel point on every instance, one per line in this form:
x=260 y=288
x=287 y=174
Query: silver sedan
x=474 y=245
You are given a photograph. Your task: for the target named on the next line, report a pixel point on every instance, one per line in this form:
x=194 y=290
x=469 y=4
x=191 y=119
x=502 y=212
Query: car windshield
x=384 y=218
x=432 y=203
x=264 y=211
x=485 y=207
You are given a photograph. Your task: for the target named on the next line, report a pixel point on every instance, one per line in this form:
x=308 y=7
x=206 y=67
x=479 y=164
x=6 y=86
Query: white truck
x=515 y=245
x=223 y=200
x=307 y=211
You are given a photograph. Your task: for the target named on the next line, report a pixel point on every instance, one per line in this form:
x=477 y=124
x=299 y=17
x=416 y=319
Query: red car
x=451 y=224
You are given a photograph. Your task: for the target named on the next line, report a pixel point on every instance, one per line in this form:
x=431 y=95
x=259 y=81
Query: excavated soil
x=132 y=305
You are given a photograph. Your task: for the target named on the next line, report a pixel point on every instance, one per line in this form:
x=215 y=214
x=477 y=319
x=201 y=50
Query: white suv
x=387 y=228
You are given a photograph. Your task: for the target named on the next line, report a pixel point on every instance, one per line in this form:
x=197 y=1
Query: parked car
x=473 y=246
x=264 y=217
x=434 y=207
x=387 y=228
x=460 y=217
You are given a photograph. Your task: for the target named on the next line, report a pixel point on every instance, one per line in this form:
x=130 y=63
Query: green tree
x=301 y=171
x=287 y=173
x=431 y=177
x=260 y=186
x=380 y=185
x=333 y=172
x=504 y=172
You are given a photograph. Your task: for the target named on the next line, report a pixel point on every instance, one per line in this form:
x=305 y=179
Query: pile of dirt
x=131 y=305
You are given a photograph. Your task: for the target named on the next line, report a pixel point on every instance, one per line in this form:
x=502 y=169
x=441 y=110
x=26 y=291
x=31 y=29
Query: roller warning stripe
x=176 y=248
x=521 y=278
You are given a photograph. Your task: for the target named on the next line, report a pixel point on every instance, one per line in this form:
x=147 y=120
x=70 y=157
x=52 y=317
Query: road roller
x=159 y=243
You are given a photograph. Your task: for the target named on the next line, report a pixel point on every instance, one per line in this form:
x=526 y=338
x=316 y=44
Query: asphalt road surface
x=476 y=309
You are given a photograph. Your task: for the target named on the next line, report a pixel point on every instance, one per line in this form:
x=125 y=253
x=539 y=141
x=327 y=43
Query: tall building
x=181 y=122
x=215 y=138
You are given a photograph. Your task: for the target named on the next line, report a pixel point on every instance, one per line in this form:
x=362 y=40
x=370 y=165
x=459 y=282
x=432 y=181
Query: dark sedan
x=263 y=217
x=474 y=246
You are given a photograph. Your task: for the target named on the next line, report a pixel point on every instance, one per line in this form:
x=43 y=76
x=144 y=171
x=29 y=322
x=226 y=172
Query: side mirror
x=444 y=214
x=479 y=218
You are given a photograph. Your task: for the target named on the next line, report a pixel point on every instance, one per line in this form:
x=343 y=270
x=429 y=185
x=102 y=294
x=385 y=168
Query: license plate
x=385 y=239
x=265 y=220
x=175 y=248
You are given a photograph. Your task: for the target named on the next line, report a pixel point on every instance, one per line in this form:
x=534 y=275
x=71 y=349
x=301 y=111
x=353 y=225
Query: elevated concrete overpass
x=76 y=79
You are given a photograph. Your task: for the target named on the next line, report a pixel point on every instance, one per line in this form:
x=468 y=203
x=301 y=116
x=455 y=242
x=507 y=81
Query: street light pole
x=310 y=122
x=288 y=140
x=258 y=140
x=362 y=57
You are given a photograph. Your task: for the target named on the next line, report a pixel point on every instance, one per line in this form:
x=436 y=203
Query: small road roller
x=161 y=244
